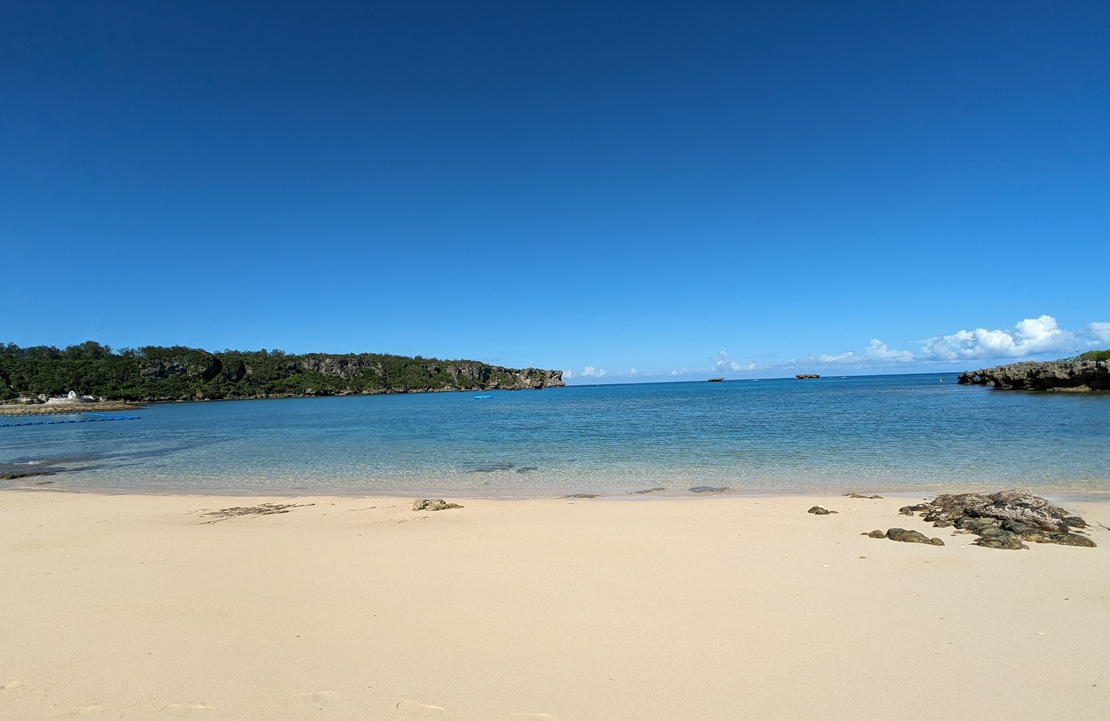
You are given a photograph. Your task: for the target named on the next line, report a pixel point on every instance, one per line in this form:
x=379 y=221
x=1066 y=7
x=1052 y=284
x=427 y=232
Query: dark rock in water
x=647 y=491
x=877 y=533
x=901 y=534
x=583 y=495
x=857 y=495
x=13 y=475
x=709 y=489
x=1062 y=375
x=433 y=504
x=806 y=376
x=820 y=511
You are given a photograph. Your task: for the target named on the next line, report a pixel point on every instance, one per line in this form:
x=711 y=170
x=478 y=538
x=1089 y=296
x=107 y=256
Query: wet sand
x=654 y=608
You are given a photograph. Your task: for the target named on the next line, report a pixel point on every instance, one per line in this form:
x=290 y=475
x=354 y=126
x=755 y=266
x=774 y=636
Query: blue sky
x=682 y=189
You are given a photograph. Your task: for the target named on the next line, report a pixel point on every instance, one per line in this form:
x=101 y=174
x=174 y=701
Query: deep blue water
x=879 y=433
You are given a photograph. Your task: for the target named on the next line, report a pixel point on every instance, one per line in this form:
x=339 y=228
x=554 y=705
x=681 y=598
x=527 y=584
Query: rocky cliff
x=322 y=375
x=1062 y=375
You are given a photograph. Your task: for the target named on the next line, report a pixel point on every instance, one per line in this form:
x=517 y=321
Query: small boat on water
x=715 y=380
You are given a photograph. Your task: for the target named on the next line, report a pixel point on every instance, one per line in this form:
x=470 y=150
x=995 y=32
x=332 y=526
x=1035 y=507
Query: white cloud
x=875 y=352
x=724 y=362
x=1099 y=332
x=1031 y=336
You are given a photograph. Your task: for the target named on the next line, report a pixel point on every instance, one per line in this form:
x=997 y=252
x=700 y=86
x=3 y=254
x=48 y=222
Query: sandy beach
x=657 y=608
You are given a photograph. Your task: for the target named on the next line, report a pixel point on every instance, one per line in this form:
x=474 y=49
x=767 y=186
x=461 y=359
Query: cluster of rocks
x=1061 y=375
x=433 y=504
x=904 y=536
x=1003 y=520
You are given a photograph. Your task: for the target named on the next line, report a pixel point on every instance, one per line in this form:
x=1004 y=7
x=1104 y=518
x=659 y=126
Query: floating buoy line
x=97 y=417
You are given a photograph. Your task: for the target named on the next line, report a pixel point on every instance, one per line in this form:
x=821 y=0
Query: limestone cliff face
x=206 y=368
x=1062 y=375
x=539 y=379
x=454 y=374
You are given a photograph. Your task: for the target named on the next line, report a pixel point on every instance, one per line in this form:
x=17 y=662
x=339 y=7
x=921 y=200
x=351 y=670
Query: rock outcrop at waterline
x=1062 y=375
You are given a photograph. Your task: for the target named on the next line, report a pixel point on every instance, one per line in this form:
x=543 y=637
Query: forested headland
x=155 y=373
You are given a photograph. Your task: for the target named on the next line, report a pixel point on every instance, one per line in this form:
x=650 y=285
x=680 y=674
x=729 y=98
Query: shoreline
x=53 y=409
x=635 y=496
x=340 y=607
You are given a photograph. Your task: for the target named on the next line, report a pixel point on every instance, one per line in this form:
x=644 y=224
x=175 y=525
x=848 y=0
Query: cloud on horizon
x=587 y=372
x=876 y=352
x=1031 y=336
x=724 y=362
x=1028 y=338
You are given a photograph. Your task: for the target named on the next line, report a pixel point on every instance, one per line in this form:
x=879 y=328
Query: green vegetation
x=178 y=373
x=1096 y=355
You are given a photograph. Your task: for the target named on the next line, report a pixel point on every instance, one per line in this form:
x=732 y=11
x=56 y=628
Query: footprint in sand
x=417 y=710
x=184 y=709
x=81 y=711
x=9 y=684
x=316 y=697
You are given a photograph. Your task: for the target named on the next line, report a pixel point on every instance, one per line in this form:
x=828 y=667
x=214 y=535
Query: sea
x=897 y=434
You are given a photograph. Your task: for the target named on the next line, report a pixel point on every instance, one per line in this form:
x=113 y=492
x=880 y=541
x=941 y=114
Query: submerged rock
x=820 y=511
x=709 y=489
x=857 y=495
x=583 y=495
x=901 y=534
x=433 y=504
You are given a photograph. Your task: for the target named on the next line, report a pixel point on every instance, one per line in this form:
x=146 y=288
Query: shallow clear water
x=878 y=433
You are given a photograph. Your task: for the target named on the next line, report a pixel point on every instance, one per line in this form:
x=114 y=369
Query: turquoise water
x=879 y=433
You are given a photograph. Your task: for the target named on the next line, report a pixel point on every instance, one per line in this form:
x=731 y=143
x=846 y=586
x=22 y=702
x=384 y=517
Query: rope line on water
x=101 y=417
